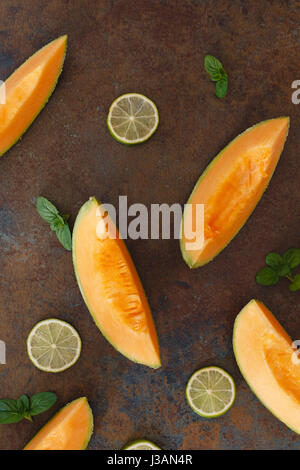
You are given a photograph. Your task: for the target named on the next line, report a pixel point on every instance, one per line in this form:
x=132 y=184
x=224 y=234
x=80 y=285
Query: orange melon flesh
x=28 y=90
x=112 y=289
x=231 y=187
x=263 y=351
x=70 y=429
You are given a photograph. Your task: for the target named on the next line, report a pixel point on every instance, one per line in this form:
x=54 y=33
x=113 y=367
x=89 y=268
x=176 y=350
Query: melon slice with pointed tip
x=230 y=188
x=70 y=429
x=268 y=362
x=27 y=91
x=111 y=286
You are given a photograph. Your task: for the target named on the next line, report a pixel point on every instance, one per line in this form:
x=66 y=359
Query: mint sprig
x=13 y=411
x=58 y=222
x=281 y=266
x=217 y=74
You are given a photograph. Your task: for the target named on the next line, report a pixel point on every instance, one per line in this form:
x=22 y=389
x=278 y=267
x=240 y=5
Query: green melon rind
x=184 y=253
x=91 y=427
x=81 y=213
x=140 y=441
x=48 y=96
x=195 y=409
x=297 y=431
x=116 y=137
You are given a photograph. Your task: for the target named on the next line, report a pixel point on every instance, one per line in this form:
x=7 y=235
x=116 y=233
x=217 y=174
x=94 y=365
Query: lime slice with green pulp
x=141 y=444
x=132 y=119
x=210 y=392
x=53 y=345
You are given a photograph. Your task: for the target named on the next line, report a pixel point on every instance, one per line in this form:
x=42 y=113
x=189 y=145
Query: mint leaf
x=221 y=87
x=267 y=277
x=292 y=257
x=217 y=74
x=274 y=260
x=281 y=266
x=9 y=412
x=295 y=284
x=13 y=411
x=41 y=402
x=58 y=223
x=215 y=77
x=23 y=407
x=23 y=404
x=277 y=263
x=212 y=65
x=46 y=209
x=284 y=270
x=64 y=236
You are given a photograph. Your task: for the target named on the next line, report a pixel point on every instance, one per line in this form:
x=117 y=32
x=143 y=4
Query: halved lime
x=141 y=444
x=53 y=345
x=210 y=392
x=132 y=118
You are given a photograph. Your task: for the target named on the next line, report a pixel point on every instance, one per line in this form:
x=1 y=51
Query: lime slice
x=210 y=392
x=142 y=444
x=53 y=345
x=132 y=119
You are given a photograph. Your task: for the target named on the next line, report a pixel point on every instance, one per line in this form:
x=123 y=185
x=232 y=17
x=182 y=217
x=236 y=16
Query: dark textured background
x=156 y=48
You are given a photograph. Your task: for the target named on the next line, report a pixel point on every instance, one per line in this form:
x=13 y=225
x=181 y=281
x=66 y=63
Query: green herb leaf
x=46 y=209
x=295 y=284
x=267 y=277
x=292 y=257
x=215 y=77
x=23 y=404
x=284 y=270
x=9 y=412
x=277 y=263
x=221 y=87
x=13 y=411
x=281 y=266
x=58 y=223
x=217 y=74
x=212 y=65
x=64 y=236
x=41 y=402
x=274 y=260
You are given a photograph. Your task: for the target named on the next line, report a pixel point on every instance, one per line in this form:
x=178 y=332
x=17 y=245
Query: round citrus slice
x=141 y=444
x=132 y=119
x=210 y=392
x=53 y=345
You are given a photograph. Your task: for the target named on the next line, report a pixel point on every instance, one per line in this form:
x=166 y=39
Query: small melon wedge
x=230 y=188
x=28 y=90
x=264 y=353
x=111 y=287
x=70 y=429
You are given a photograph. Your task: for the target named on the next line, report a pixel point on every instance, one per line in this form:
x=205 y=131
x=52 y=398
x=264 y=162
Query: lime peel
x=210 y=392
x=141 y=444
x=53 y=345
x=132 y=119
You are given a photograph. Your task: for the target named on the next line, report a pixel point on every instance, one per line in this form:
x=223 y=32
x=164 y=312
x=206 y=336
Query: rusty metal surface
x=156 y=48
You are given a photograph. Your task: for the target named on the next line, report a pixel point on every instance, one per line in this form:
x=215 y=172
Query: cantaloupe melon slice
x=28 y=89
x=264 y=354
x=112 y=289
x=70 y=429
x=231 y=187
